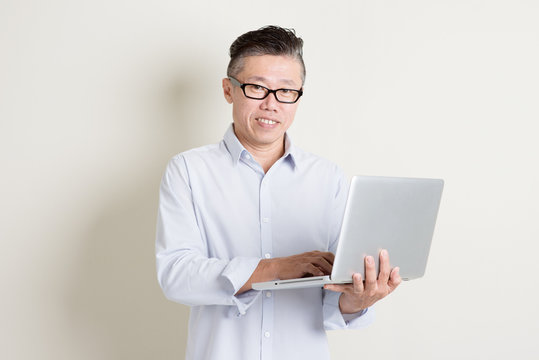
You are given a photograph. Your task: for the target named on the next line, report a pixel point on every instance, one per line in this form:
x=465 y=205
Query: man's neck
x=266 y=156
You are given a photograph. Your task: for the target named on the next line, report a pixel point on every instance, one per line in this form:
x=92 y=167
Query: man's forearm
x=265 y=271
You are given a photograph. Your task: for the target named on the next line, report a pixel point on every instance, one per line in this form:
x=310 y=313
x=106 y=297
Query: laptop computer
x=393 y=213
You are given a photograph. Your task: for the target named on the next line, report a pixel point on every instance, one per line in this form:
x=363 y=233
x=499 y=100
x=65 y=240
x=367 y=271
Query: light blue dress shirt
x=219 y=215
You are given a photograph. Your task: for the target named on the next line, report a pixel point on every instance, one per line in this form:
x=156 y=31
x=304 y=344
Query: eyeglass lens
x=260 y=92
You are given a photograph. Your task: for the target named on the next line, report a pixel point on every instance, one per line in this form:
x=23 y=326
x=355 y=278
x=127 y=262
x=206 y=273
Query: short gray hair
x=268 y=40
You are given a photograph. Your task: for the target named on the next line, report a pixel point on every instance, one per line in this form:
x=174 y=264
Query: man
x=255 y=208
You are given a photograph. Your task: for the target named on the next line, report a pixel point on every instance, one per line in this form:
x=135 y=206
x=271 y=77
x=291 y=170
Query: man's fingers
x=323 y=264
x=312 y=263
x=312 y=270
x=362 y=294
x=370 y=274
x=395 y=279
x=356 y=287
x=358 y=283
x=336 y=288
x=385 y=268
x=328 y=256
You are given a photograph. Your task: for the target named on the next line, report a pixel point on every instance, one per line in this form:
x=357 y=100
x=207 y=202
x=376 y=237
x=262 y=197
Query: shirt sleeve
x=333 y=318
x=185 y=272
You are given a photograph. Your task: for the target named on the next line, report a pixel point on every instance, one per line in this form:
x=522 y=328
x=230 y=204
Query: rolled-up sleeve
x=185 y=272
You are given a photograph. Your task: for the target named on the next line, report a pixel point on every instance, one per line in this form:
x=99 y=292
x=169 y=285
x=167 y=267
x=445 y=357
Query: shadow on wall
x=115 y=300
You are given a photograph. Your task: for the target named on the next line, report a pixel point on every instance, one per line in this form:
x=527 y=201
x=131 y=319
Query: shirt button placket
x=267 y=251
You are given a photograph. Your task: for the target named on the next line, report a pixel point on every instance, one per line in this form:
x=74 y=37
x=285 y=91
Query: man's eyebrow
x=263 y=79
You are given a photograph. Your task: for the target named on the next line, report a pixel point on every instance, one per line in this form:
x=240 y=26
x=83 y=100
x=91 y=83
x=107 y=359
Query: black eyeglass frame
x=269 y=91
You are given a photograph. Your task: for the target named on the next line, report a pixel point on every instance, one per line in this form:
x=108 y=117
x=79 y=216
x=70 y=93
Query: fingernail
x=370 y=260
x=384 y=252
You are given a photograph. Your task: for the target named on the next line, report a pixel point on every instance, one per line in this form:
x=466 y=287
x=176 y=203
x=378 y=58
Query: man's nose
x=270 y=102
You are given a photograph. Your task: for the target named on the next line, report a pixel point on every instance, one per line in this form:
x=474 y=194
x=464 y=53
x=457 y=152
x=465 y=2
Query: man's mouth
x=266 y=121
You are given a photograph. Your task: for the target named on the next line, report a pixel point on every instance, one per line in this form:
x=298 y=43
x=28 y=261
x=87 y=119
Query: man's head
x=265 y=71
x=268 y=40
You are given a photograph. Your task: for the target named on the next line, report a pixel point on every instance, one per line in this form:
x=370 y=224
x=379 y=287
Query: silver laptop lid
x=397 y=214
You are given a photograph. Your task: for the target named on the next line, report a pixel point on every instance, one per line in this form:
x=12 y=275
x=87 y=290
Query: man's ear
x=227 y=90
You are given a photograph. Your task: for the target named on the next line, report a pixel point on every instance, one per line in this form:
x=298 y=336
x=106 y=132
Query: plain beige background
x=96 y=96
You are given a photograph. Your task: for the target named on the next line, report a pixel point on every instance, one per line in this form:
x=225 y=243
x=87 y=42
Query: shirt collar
x=233 y=145
x=236 y=149
x=290 y=151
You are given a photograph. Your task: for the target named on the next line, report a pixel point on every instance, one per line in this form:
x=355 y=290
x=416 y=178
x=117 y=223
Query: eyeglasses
x=259 y=92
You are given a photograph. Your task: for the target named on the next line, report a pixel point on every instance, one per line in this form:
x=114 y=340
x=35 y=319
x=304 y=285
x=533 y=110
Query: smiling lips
x=266 y=121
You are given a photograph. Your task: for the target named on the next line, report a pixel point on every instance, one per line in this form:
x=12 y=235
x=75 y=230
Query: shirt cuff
x=237 y=272
x=335 y=320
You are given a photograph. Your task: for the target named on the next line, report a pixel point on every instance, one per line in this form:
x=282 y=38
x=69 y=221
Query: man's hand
x=362 y=294
x=313 y=263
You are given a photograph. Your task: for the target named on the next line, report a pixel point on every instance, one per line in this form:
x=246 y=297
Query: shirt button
x=247 y=156
x=268 y=294
x=267 y=334
x=266 y=220
x=267 y=255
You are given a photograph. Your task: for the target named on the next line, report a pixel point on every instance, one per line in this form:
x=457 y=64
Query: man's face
x=260 y=124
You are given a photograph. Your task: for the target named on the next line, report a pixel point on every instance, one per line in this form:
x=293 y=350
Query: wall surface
x=95 y=97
